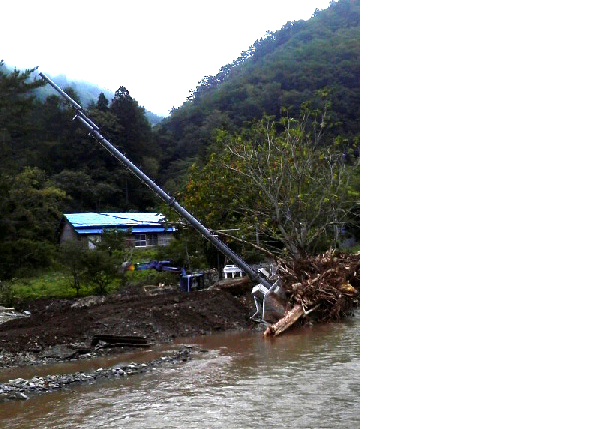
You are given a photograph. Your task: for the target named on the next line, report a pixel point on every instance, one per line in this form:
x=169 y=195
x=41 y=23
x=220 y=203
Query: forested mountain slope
x=282 y=70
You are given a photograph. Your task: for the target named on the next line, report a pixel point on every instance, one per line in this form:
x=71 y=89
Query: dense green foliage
x=52 y=166
x=278 y=181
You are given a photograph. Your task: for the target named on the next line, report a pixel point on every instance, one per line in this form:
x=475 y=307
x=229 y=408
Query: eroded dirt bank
x=63 y=329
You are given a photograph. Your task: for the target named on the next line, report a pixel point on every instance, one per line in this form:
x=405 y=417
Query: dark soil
x=159 y=318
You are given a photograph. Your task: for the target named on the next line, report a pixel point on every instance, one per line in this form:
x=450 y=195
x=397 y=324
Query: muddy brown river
x=307 y=378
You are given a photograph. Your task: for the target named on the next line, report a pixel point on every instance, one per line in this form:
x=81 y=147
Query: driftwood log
x=236 y=287
x=326 y=284
x=285 y=322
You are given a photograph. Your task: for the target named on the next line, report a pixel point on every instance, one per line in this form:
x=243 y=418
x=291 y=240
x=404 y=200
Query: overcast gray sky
x=158 y=50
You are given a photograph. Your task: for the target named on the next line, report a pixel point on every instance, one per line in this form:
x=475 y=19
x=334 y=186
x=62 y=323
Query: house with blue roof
x=147 y=229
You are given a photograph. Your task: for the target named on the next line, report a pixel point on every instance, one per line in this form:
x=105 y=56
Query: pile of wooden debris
x=326 y=285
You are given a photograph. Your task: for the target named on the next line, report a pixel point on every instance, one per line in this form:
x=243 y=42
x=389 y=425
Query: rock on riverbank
x=21 y=389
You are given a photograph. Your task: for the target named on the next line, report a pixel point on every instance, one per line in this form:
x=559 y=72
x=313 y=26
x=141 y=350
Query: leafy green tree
x=134 y=135
x=31 y=211
x=100 y=271
x=113 y=242
x=17 y=121
x=102 y=102
x=103 y=265
x=276 y=179
x=135 y=139
x=73 y=255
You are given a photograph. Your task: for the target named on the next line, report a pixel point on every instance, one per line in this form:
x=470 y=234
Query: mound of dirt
x=159 y=318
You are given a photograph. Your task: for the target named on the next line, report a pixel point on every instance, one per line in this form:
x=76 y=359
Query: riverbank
x=62 y=330
x=21 y=389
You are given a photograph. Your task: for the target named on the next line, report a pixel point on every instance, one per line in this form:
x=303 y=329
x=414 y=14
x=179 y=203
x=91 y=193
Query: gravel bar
x=21 y=389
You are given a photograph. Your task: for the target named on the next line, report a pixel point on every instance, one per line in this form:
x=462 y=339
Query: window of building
x=145 y=240
x=140 y=240
x=151 y=239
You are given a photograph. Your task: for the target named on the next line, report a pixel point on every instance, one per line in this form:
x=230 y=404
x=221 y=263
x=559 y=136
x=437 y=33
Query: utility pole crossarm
x=171 y=201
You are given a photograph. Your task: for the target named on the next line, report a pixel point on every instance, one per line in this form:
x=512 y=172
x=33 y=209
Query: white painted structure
x=232 y=271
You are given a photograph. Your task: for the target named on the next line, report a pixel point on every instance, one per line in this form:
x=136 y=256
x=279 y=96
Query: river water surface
x=306 y=378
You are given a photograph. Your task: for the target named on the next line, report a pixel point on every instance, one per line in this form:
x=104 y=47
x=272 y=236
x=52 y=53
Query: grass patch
x=55 y=284
x=140 y=278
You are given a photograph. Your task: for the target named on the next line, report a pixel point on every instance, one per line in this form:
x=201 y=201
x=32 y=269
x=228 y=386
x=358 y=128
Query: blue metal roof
x=94 y=223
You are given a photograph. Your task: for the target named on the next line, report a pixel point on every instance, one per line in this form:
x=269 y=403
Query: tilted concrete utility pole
x=220 y=245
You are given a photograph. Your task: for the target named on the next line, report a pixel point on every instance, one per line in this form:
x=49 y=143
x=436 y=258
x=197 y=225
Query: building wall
x=68 y=233
x=164 y=239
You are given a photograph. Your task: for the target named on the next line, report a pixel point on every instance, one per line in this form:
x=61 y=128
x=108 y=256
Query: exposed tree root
x=327 y=285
